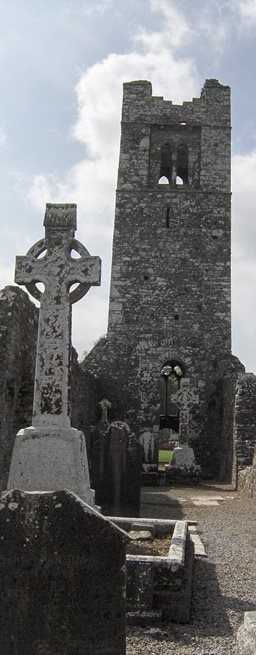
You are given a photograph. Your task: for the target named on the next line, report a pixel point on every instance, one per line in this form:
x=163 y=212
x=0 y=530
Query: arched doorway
x=171 y=375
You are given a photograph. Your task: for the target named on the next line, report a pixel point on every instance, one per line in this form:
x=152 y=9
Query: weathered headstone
x=51 y=455
x=150 y=447
x=99 y=440
x=123 y=471
x=62 y=570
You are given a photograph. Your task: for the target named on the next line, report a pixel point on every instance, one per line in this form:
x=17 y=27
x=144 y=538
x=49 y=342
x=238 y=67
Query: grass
x=164 y=456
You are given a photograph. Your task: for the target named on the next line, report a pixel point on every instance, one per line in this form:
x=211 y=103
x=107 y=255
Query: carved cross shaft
x=50 y=262
x=185 y=398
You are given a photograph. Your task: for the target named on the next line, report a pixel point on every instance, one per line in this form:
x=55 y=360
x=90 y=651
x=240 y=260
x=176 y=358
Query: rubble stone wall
x=245 y=419
x=18 y=335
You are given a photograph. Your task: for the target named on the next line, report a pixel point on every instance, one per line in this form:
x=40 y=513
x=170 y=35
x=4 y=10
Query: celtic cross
x=50 y=262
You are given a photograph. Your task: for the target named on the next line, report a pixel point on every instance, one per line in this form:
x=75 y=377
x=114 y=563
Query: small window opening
x=183 y=123
x=163 y=180
x=73 y=286
x=146 y=277
x=176 y=317
x=167 y=217
x=179 y=181
x=40 y=286
x=74 y=254
x=42 y=254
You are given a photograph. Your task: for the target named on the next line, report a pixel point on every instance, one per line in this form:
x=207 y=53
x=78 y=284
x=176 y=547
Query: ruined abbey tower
x=166 y=364
x=169 y=324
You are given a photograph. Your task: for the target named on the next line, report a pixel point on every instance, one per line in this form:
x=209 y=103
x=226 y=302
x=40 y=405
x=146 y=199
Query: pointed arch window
x=166 y=164
x=182 y=165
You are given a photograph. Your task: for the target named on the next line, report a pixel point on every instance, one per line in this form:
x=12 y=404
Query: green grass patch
x=164 y=456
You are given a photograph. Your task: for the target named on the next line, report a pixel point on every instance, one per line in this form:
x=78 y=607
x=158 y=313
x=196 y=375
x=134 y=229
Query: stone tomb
x=159 y=587
x=62 y=570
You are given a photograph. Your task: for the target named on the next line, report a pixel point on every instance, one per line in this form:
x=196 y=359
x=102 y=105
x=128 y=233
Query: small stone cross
x=105 y=405
x=50 y=262
x=185 y=398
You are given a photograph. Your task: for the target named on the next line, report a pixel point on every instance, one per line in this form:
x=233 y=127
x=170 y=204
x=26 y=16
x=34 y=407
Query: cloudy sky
x=62 y=65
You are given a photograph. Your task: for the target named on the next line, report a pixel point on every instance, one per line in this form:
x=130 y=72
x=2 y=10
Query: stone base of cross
x=51 y=455
x=47 y=459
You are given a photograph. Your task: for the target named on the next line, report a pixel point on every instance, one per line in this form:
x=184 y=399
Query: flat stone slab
x=246 y=636
x=163 y=498
x=140 y=534
x=199 y=548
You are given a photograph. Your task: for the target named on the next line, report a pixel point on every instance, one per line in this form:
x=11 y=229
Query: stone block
x=246 y=636
x=50 y=459
x=62 y=568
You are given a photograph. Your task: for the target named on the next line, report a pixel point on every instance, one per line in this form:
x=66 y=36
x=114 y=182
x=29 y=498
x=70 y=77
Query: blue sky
x=62 y=65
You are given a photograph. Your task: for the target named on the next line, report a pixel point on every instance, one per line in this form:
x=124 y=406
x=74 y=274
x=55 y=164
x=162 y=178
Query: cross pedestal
x=51 y=455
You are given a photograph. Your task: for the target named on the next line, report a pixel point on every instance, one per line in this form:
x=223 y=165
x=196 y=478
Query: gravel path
x=224 y=584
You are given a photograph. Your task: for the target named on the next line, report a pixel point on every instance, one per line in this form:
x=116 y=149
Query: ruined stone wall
x=18 y=335
x=245 y=419
x=84 y=400
x=170 y=285
x=247 y=480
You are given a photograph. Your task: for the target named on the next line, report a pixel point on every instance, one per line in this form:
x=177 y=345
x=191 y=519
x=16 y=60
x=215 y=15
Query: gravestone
x=62 y=569
x=123 y=471
x=51 y=455
x=99 y=440
x=150 y=447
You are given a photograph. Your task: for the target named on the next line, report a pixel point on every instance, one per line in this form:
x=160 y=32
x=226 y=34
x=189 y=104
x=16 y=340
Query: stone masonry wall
x=84 y=400
x=18 y=335
x=245 y=419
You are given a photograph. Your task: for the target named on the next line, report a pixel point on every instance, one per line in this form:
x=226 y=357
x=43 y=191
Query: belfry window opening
x=182 y=165
x=165 y=174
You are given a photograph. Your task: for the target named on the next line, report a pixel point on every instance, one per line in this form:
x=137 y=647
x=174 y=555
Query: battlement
x=212 y=107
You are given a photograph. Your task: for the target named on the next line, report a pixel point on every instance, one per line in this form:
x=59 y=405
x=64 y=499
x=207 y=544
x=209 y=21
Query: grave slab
x=62 y=568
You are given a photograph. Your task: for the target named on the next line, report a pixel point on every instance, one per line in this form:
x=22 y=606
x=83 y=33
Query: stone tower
x=168 y=344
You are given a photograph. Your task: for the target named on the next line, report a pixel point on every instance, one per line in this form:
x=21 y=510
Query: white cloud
x=3 y=137
x=6 y=274
x=214 y=26
x=175 y=31
x=91 y=183
x=244 y=261
x=89 y=321
x=247 y=9
x=96 y=6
